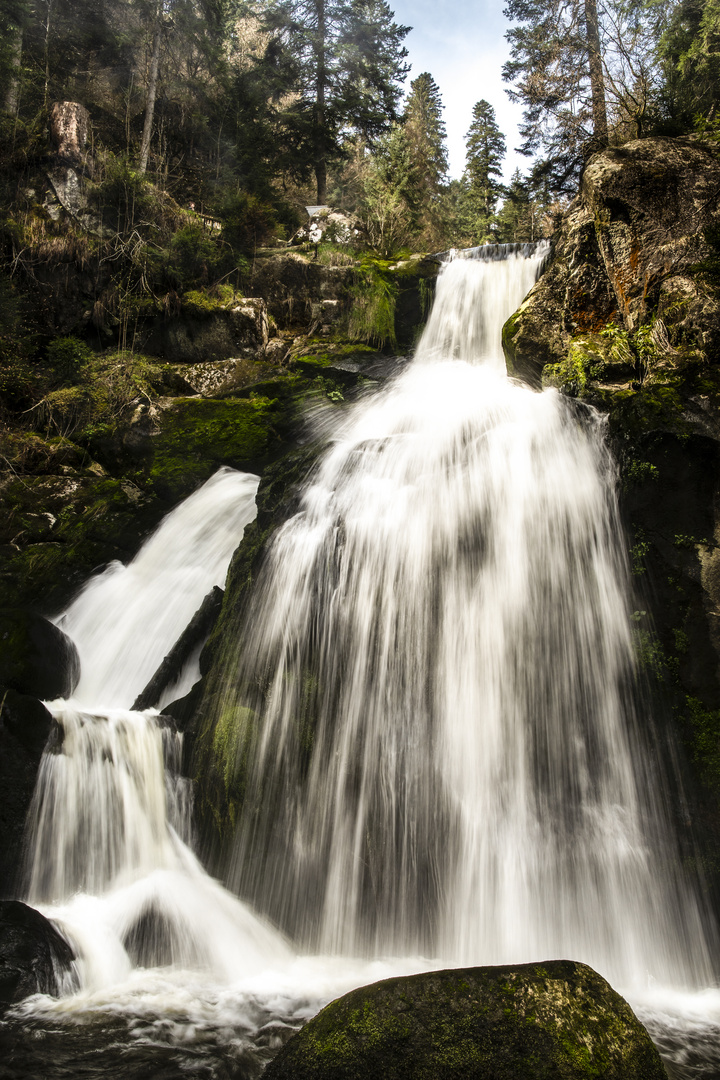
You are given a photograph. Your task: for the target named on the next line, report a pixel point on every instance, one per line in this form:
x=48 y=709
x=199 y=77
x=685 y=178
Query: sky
x=462 y=45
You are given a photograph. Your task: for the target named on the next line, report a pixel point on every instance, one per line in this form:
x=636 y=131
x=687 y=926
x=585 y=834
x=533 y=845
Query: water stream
x=452 y=769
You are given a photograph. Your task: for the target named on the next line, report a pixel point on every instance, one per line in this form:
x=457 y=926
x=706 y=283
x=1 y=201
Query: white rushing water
x=125 y=620
x=446 y=624
x=451 y=768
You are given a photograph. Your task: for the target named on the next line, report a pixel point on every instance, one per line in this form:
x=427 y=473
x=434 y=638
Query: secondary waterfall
x=437 y=669
x=449 y=760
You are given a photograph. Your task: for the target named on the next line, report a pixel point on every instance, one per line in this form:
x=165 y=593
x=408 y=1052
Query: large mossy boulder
x=36 y=657
x=34 y=957
x=558 y=1020
x=629 y=250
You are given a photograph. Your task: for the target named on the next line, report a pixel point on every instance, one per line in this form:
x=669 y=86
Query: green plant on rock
x=705 y=725
x=69 y=358
x=575 y=371
x=372 y=314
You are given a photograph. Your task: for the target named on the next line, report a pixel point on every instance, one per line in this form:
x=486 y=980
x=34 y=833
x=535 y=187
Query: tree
x=332 y=67
x=485 y=150
x=549 y=68
x=426 y=134
x=587 y=72
x=690 y=49
x=518 y=220
x=386 y=206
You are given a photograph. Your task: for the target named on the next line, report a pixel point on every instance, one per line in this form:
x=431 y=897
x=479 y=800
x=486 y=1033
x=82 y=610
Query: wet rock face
x=558 y=1019
x=241 y=330
x=33 y=956
x=628 y=248
x=36 y=657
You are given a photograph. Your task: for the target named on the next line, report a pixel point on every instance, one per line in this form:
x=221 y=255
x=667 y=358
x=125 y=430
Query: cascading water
x=449 y=763
x=444 y=634
x=126 y=619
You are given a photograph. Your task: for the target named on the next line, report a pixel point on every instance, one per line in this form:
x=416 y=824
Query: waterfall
x=449 y=760
x=111 y=818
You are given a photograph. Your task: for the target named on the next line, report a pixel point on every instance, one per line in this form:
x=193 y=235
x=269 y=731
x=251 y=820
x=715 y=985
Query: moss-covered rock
x=554 y=1020
x=198 y=435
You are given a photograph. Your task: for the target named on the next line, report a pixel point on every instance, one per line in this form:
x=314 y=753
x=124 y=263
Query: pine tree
x=333 y=67
x=426 y=134
x=485 y=150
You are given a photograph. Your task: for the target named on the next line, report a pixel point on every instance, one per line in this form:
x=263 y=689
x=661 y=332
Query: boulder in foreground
x=558 y=1019
x=34 y=958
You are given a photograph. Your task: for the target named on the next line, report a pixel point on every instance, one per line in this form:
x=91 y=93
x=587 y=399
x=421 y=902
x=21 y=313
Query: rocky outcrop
x=34 y=957
x=558 y=1019
x=214 y=335
x=629 y=250
x=25 y=726
x=37 y=660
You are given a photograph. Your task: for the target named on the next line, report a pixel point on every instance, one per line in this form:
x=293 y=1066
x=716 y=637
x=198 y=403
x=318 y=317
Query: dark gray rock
x=36 y=657
x=34 y=957
x=25 y=726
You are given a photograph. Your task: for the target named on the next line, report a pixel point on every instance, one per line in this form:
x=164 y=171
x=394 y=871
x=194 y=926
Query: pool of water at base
x=168 y=1025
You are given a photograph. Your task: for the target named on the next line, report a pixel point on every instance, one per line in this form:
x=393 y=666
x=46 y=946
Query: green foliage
x=331 y=68
x=705 y=725
x=636 y=472
x=193 y=256
x=573 y=374
x=372 y=314
x=485 y=152
x=425 y=134
x=248 y=222
x=691 y=52
x=69 y=357
x=638 y=553
x=388 y=208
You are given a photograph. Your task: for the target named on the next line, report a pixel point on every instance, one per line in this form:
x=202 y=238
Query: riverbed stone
x=557 y=1019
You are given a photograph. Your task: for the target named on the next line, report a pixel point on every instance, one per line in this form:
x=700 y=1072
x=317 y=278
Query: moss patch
x=199 y=435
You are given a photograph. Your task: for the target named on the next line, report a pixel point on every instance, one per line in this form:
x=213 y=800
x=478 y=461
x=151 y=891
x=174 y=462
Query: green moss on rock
x=559 y=1019
x=199 y=434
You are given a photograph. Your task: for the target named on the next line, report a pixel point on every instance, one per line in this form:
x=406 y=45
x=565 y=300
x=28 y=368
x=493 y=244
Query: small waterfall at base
x=450 y=766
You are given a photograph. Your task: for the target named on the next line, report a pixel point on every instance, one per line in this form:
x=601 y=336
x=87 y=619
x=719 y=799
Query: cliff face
x=627 y=318
x=630 y=252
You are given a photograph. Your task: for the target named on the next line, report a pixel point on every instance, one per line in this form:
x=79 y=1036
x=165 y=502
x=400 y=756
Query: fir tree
x=485 y=150
x=335 y=67
x=426 y=134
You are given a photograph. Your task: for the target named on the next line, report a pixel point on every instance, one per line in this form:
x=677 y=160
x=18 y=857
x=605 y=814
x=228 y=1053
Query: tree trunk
x=151 y=90
x=12 y=95
x=320 y=85
x=597 y=81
